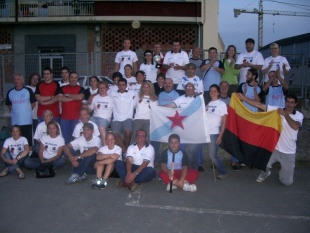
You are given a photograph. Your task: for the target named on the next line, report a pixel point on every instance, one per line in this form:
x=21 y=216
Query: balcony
x=45 y=9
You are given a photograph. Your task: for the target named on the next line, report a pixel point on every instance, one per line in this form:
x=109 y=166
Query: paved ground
x=238 y=204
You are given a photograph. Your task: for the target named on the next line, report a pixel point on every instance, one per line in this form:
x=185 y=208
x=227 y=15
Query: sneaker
x=173 y=187
x=83 y=177
x=201 y=169
x=133 y=187
x=119 y=183
x=73 y=179
x=189 y=187
x=99 y=183
x=235 y=167
x=262 y=176
x=242 y=165
x=222 y=177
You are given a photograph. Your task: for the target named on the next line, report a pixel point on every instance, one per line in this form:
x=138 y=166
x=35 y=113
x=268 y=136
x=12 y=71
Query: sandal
x=21 y=176
x=3 y=173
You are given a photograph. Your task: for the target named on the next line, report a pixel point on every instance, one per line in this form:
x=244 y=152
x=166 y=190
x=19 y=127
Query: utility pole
x=260 y=12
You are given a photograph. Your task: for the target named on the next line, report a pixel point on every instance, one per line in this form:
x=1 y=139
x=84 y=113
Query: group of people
x=69 y=121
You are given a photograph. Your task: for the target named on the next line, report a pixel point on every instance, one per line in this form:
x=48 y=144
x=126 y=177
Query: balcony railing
x=47 y=9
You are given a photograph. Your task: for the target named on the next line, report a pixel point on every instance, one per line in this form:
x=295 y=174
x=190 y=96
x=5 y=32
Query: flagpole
x=172 y=170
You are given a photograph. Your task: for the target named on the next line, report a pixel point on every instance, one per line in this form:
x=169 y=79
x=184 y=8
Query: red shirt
x=48 y=89
x=71 y=109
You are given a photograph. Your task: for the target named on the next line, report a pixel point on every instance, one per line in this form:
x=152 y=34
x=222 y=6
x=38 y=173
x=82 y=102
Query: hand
x=282 y=112
x=114 y=156
x=130 y=178
x=171 y=65
x=179 y=183
x=246 y=64
x=75 y=163
x=96 y=164
x=271 y=63
x=218 y=140
x=176 y=67
x=170 y=174
x=240 y=96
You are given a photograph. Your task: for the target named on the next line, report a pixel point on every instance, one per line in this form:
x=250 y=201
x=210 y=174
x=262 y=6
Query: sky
x=237 y=30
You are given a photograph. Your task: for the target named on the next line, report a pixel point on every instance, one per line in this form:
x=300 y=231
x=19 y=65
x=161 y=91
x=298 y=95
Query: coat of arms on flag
x=187 y=122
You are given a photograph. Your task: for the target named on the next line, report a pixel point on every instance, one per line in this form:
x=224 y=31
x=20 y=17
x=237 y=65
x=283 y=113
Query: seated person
x=82 y=153
x=106 y=156
x=51 y=148
x=41 y=131
x=14 y=151
x=84 y=118
x=139 y=165
x=183 y=177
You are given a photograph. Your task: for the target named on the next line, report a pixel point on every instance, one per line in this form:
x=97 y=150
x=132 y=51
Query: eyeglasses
x=190 y=87
x=140 y=136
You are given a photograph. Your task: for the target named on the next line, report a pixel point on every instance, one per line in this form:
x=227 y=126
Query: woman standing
x=142 y=116
x=14 y=152
x=216 y=114
x=92 y=90
x=231 y=73
x=33 y=81
x=149 y=67
x=159 y=85
x=51 y=148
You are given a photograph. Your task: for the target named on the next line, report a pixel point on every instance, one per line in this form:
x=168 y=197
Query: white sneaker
x=73 y=179
x=173 y=187
x=189 y=187
x=262 y=176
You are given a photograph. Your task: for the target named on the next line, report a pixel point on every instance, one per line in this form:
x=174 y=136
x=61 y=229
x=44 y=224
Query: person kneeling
x=106 y=156
x=183 y=177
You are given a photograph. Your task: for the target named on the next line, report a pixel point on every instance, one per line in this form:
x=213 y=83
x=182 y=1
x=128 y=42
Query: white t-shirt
x=150 y=71
x=82 y=145
x=123 y=105
x=277 y=62
x=135 y=87
x=214 y=112
x=288 y=136
x=102 y=107
x=255 y=58
x=180 y=59
x=124 y=58
x=116 y=150
x=146 y=153
x=15 y=147
x=198 y=84
x=78 y=130
x=41 y=131
x=51 y=145
x=143 y=108
x=183 y=101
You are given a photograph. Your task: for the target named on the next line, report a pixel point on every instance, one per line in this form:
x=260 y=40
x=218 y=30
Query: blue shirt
x=20 y=102
x=167 y=97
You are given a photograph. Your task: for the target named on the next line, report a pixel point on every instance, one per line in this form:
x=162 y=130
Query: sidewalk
x=235 y=205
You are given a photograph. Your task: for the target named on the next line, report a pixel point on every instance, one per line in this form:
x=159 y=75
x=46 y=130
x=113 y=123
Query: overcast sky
x=237 y=30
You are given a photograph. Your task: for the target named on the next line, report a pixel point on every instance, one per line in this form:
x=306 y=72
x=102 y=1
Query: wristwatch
x=79 y=157
x=67 y=95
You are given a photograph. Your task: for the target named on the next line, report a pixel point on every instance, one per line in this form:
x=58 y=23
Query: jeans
x=212 y=152
x=194 y=154
x=34 y=163
x=147 y=174
x=86 y=165
x=67 y=127
x=11 y=167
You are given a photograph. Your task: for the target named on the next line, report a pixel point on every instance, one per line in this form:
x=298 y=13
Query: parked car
x=84 y=80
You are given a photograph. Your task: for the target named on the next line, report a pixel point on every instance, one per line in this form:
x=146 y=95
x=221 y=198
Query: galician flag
x=188 y=122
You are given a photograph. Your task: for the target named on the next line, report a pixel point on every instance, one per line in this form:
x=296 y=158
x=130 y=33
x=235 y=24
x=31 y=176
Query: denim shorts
x=120 y=126
x=100 y=121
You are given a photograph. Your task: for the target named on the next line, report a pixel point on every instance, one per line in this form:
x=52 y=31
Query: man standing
x=20 y=100
x=83 y=163
x=139 y=165
x=275 y=62
x=250 y=59
x=275 y=92
x=212 y=71
x=175 y=62
x=126 y=56
x=250 y=89
x=285 y=151
x=46 y=94
x=71 y=97
x=122 y=114
x=64 y=72
x=195 y=59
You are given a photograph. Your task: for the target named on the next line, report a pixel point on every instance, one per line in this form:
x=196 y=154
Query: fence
x=103 y=64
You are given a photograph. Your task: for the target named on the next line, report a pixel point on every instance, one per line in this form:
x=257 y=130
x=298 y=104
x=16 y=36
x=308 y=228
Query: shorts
x=121 y=126
x=100 y=121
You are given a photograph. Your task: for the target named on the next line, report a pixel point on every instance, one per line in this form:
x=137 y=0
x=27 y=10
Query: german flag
x=251 y=137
